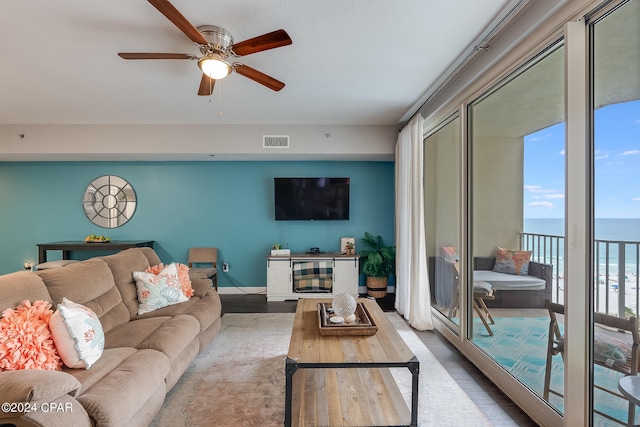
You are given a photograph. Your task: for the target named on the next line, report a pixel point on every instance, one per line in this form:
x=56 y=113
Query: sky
x=617 y=166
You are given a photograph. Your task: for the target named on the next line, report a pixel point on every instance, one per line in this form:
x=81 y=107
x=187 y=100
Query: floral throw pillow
x=512 y=262
x=183 y=276
x=78 y=334
x=158 y=290
x=25 y=338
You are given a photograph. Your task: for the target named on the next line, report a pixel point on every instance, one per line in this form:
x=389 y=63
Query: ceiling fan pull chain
x=220 y=100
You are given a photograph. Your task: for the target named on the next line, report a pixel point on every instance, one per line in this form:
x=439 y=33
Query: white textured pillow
x=77 y=334
x=158 y=290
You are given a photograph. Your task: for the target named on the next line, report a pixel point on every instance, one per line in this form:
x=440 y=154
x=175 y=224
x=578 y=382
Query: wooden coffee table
x=345 y=380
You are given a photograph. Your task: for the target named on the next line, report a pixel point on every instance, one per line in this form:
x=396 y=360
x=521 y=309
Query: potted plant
x=378 y=263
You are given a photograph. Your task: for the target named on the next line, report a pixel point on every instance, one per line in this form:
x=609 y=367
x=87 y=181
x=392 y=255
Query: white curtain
x=413 y=299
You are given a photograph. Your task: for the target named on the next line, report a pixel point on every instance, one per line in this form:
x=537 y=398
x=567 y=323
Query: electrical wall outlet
x=225 y=267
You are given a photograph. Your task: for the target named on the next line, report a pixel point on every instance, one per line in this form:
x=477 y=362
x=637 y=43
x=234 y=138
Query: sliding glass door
x=615 y=37
x=547 y=150
x=517 y=182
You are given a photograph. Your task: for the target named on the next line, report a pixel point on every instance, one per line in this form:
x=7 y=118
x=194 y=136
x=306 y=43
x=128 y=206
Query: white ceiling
x=351 y=62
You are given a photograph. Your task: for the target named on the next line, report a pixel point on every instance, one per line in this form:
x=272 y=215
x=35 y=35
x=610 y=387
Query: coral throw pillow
x=78 y=334
x=25 y=338
x=158 y=290
x=449 y=254
x=183 y=276
x=512 y=262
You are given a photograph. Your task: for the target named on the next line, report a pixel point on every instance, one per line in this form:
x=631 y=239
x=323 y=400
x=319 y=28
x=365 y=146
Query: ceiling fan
x=216 y=45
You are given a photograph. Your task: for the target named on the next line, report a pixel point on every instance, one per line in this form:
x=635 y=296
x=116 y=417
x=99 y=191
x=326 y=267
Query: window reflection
x=442 y=216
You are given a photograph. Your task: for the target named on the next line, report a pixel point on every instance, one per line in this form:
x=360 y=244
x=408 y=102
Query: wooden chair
x=445 y=284
x=628 y=327
x=208 y=257
x=483 y=291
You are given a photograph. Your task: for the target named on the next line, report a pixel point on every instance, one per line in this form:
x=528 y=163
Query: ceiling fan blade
x=258 y=77
x=142 y=55
x=267 y=41
x=206 y=85
x=172 y=14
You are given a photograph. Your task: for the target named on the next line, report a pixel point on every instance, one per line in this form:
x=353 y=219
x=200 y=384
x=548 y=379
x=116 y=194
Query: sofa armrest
x=32 y=385
x=541 y=271
x=201 y=286
x=484 y=262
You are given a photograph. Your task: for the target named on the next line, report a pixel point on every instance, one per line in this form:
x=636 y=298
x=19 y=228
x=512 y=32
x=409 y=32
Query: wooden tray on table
x=364 y=324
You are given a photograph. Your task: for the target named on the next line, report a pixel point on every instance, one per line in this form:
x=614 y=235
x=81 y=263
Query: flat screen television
x=311 y=199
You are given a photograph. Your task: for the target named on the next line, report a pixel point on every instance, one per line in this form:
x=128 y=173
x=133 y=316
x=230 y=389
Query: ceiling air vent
x=275 y=141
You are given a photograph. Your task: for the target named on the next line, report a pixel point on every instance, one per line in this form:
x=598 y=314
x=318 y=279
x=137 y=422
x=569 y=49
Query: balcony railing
x=616 y=271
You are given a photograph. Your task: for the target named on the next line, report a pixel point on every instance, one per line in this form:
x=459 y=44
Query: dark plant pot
x=377 y=286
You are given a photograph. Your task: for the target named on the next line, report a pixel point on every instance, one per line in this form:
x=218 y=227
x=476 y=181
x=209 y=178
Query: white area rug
x=239 y=379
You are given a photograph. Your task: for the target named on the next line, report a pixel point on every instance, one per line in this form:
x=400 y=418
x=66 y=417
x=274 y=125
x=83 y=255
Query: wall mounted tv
x=311 y=199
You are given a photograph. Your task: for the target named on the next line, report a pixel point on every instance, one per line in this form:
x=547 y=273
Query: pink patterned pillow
x=449 y=254
x=183 y=276
x=512 y=262
x=25 y=338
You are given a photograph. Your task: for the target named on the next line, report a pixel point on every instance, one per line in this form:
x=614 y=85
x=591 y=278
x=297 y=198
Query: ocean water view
x=608 y=232
x=619 y=229
x=612 y=235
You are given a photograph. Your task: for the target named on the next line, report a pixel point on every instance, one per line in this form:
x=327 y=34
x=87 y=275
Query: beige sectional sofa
x=144 y=355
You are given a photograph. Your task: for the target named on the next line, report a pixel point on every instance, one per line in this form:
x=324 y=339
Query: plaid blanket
x=312 y=276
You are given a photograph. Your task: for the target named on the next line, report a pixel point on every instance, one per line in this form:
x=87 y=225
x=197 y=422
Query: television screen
x=311 y=199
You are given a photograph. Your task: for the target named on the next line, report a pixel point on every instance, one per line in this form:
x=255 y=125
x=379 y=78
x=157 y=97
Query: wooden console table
x=70 y=245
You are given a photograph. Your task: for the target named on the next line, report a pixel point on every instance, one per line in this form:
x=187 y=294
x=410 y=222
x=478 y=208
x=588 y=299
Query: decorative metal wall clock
x=109 y=201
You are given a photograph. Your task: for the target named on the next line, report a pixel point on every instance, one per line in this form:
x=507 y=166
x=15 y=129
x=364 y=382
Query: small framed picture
x=348 y=245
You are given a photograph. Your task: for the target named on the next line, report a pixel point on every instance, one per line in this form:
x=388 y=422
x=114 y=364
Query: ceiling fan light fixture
x=214 y=66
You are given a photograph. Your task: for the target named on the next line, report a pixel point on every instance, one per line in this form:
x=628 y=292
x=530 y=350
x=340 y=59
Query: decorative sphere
x=344 y=305
x=350 y=319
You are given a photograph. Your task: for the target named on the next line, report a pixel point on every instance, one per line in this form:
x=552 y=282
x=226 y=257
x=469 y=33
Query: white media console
x=294 y=276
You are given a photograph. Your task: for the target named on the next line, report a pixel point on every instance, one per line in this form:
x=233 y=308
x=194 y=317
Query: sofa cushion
x=123 y=391
x=20 y=286
x=122 y=266
x=109 y=361
x=170 y=335
x=152 y=256
x=206 y=309
x=201 y=286
x=32 y=385
x=78 y=334
x=89 y=283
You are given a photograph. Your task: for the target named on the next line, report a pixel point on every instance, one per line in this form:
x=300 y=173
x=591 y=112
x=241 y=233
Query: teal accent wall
x=228 y=205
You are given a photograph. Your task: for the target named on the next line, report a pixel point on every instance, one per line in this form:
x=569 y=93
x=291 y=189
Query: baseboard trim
x=242 y=290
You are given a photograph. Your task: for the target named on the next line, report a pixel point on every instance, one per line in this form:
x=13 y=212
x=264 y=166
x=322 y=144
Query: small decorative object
x=336 y=320
x=344 y=305
x=362 y=325
x=94 y=238
x=348 y=245
x=277 y=250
